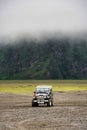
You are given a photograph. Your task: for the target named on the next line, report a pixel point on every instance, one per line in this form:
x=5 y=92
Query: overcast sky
x=23 y=17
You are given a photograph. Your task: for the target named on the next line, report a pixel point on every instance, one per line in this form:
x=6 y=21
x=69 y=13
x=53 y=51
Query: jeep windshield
x=42 y=90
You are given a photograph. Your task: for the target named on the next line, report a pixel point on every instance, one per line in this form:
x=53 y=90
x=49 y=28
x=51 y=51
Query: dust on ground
x=68 y=113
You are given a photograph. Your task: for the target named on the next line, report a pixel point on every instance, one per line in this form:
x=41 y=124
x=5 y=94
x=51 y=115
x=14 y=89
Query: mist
x=36 y=18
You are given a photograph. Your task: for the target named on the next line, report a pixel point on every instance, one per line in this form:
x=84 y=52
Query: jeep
x=43 y=95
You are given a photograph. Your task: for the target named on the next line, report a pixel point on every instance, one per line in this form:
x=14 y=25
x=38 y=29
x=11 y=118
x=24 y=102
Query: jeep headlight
x=45 y=96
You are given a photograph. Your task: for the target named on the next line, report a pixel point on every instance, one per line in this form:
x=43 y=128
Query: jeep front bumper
x=40 y=101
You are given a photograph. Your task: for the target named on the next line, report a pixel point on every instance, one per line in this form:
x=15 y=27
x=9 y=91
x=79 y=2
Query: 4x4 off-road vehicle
x=43 y=95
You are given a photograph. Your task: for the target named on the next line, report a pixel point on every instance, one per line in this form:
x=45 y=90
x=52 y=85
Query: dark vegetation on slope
x=54 y=58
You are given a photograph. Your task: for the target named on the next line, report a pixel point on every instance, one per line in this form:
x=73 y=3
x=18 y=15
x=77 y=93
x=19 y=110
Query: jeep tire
x=34 y=104
x=49 y=104
x=52 y=102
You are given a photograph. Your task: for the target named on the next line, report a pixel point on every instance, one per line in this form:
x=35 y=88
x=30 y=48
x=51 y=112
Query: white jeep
x=43 y=95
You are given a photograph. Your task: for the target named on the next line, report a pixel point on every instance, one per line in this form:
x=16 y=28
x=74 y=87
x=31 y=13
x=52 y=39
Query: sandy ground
x=68 y=113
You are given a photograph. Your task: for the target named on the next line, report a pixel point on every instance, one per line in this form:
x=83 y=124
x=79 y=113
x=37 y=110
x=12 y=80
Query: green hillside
x=53 y=58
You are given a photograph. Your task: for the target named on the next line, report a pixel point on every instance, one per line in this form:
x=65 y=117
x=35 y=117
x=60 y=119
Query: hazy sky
x=20 y=17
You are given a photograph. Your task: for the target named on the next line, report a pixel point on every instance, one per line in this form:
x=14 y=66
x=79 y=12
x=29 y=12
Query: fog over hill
x=34 y=18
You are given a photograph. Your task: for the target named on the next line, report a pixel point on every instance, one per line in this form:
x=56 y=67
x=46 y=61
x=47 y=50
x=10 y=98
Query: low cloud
x=35 y=17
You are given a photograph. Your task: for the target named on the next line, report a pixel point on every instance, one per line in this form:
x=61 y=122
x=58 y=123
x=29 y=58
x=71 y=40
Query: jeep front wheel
x=49 y=104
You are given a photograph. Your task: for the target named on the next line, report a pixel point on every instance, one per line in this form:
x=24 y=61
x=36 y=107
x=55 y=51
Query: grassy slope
x=33 y=72
x=28 y=86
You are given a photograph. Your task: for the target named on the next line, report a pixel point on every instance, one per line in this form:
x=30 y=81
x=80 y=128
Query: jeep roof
x=44 y=86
